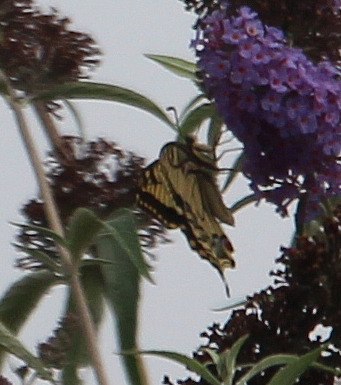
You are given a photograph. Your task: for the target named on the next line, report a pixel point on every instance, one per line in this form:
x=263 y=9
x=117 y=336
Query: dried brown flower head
x=38 y=50
x=4 y=381
x=99 y=176
x=54 y=351
x=285 y=318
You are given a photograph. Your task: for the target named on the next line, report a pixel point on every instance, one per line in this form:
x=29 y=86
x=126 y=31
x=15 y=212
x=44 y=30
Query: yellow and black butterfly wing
x=192 y=159
x=153 y=196
x=181 y=191
x=204 y=233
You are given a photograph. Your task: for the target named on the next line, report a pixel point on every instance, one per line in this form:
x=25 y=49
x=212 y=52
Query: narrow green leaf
x=12 y=345
x=94 y=262
x=23 y=296
x=236 y=169
x=267 y=362
x=232 y=304
x=101 y=91
x=122 y=227
x=121 y=280
x=83 y=227
x=336 y=371
x=214 y=130
x=44 y=231
x=196 y=117
x=190 y=363
x=291 y=372
x=92 y=282
x=70 y=376
x=243 y=202
x=78 y=119
x=215 y=357
x=229 y=366
x=42 y=257
x=191 y=104
x=176 y=65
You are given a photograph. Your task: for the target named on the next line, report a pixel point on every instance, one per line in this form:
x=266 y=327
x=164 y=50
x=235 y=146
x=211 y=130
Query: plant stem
x=56 y=225
x=52 y=132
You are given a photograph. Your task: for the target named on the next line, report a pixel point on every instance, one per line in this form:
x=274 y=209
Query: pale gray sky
x=179 y=307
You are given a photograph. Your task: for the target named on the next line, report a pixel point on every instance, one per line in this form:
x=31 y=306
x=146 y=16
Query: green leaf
x=43 y=231
x=227 y=366
x=214 y=130
x=121 y=280
x=195 y=118
x=243 y=202
x=70 y=376
x=83 y=227
x=267 y=362
x=93 y=286
x=42 y=257
x=176 y=65
x=122 y=227
x=77 y=118
x=236 y=169
x=22 y=297
x=190 y=363
x=95 y=262
x=215 y=357
x=12 y=345
x=291 y=372
x=101 y=91
x=191 y=104
x=232 y=304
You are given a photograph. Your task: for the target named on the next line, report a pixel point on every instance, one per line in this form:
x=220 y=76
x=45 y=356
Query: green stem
x=56 y=225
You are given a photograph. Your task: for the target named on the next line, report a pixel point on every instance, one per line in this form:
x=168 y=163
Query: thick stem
x=55 y=224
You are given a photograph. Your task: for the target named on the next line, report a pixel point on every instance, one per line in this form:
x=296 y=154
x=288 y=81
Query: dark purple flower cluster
x=282 y=107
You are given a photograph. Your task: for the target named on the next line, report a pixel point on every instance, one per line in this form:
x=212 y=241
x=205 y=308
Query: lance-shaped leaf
x=236 y=169
x=44 y=231
x=92 y=281
x=83 y=227
x=196 y=117
x=12 y=345
x=118 y=243
x=77 y=118
x=226 y=361
x=267 y=362
x=176 y=65
x=190 y=363
x=22 y=297
x=291 y=372
x=191 y=104
x=243 y=202
x=101 y=91
x=214 y=130
x=122 y=227
x=43 y=258
x=231 y=358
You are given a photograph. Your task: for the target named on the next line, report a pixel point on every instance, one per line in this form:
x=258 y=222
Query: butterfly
x=180 y=190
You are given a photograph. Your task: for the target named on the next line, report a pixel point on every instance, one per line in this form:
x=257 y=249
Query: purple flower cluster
x=282 y=107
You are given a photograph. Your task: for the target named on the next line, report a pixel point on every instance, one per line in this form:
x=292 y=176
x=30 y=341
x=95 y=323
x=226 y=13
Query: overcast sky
x=179 y=307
